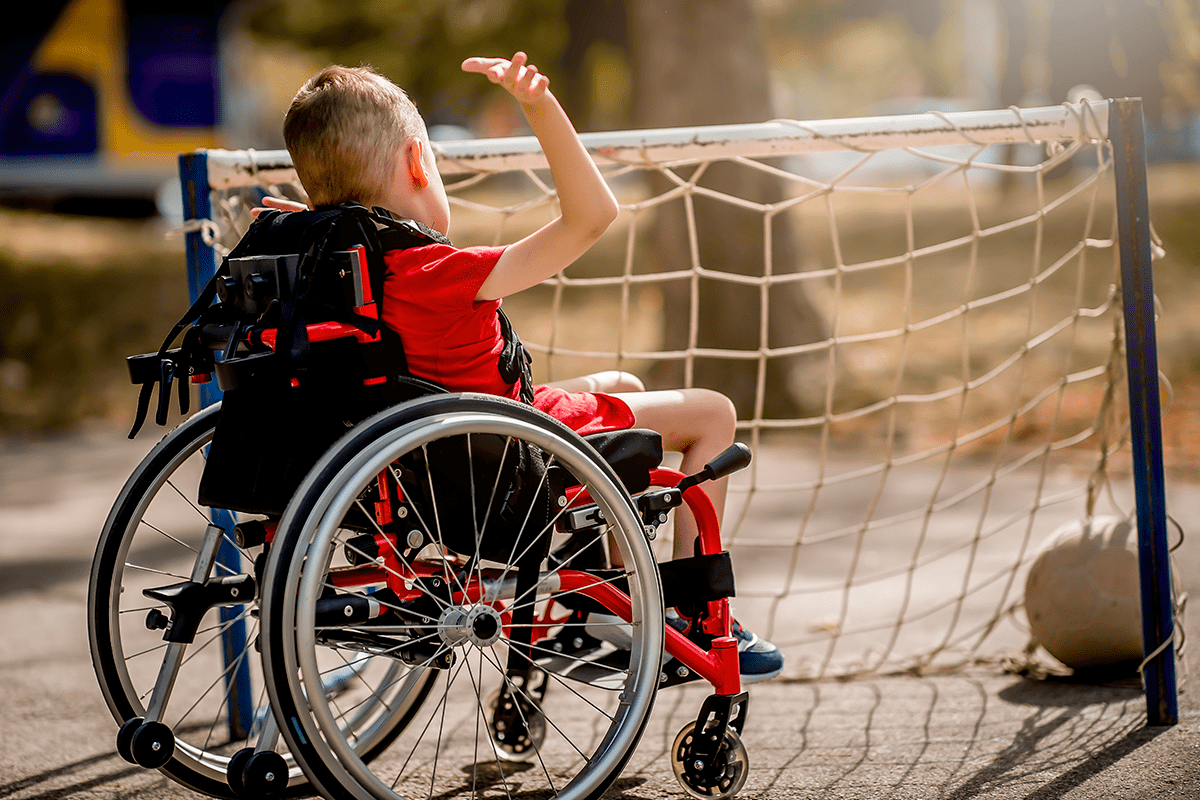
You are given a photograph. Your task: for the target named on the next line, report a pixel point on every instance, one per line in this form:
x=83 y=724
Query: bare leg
x=611 y=381
x=698 y=423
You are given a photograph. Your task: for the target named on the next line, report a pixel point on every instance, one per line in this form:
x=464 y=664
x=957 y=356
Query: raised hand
x=586 y=205
x=521 y=79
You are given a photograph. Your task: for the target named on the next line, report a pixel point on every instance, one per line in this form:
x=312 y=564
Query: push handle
x=728 y=461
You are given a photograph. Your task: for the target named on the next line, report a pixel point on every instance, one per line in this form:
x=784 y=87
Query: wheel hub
x=480 y=625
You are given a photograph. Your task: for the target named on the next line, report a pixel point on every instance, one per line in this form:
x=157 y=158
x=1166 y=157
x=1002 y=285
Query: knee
x=719 y=411
x=614 y=381
x=627 y=382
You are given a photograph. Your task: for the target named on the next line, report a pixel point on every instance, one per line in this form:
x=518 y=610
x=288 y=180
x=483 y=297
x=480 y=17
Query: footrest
x=604 y=667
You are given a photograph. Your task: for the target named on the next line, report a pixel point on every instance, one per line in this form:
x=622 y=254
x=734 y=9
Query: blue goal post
x=1127 y=132
x=201 y=267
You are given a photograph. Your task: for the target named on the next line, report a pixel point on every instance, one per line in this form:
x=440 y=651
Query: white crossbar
x=1070 y=121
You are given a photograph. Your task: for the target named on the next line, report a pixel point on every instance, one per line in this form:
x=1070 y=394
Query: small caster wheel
x=516 y=726
x=265 y=775
x=722 y=777
x=152 y=745
x=125 y=738
x=233 y=772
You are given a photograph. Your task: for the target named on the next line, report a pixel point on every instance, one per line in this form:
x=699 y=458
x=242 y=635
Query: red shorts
x=583 y=412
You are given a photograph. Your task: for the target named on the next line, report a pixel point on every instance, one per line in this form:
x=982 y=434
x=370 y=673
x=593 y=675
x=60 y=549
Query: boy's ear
x=415 y=154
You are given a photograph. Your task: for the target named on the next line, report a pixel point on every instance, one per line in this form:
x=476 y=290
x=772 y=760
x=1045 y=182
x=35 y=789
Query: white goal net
x=917 y=318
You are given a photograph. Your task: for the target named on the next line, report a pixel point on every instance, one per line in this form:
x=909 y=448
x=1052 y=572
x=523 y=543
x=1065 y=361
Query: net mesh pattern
x=917 y=317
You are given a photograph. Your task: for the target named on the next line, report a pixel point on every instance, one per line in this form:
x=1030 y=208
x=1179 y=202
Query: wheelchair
x=418 y=618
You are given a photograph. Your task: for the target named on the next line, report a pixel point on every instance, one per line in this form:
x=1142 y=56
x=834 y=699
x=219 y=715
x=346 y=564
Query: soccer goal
x=938 y=330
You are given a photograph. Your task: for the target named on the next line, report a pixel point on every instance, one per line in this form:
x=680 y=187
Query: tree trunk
x=704 y=62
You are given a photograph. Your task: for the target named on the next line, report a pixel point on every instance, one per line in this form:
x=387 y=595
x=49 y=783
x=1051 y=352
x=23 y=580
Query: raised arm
x=587 y=205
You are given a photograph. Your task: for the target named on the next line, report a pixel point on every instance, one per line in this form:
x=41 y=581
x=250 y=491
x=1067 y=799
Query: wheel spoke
x=441 y=704
x=580 y=591
x=232 y=667
x=605 y=667
x=558 y=680
x=479 y=717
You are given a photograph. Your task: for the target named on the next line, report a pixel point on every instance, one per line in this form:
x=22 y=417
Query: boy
x=354 y=135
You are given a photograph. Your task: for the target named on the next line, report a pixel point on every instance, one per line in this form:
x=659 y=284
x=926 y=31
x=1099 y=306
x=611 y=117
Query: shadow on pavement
x=51 y=785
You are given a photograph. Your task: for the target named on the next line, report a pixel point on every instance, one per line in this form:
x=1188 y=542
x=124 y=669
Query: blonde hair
x=345 y=129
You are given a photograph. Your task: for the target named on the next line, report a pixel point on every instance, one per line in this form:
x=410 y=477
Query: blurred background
x=99 y=96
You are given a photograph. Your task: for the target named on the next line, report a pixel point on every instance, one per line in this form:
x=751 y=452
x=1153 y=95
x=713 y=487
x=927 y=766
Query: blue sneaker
x=758 y=659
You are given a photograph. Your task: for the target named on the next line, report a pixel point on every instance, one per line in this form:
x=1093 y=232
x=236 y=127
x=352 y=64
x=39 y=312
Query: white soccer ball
x=1082 y=594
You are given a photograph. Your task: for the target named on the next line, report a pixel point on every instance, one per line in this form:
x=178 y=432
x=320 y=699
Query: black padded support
x=698 y=579
x=631 y=453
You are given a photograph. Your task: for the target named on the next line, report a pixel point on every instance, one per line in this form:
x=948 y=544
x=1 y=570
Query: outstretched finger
x=283 y=204
x=272 y=203
x=481 y=64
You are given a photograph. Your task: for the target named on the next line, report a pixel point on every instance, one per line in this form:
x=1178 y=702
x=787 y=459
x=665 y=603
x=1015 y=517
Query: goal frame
x=1127 y=134
x=1120 y=121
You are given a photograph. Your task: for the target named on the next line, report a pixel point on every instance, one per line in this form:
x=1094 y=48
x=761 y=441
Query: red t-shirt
x=429 y=299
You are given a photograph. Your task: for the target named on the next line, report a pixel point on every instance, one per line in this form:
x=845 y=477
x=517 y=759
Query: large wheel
x=508 y=713
x=151 y=539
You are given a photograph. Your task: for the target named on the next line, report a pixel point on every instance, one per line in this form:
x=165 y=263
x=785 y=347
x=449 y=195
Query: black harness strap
x=515 y=359
x=170 y=361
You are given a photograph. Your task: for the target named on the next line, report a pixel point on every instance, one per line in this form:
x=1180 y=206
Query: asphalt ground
x=977 y=732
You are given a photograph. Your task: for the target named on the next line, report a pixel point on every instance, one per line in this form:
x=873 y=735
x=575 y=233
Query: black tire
x=149 y=539
x=590 y=731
